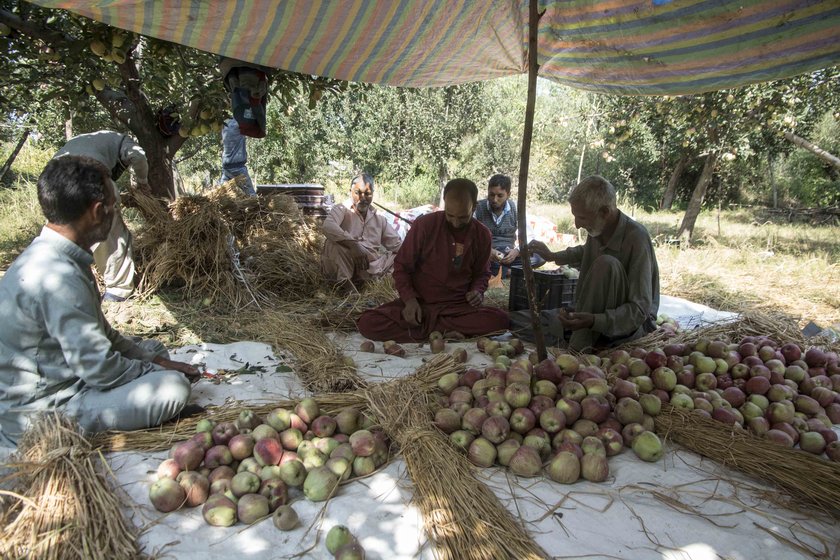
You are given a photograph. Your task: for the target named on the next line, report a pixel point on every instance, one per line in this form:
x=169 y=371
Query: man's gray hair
x=594 y=193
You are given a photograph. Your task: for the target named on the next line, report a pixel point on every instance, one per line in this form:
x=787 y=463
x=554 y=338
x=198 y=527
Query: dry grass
x=810 y=482
x=65 y=508
x=229 y=249
x=462 y=516
x=320 y=365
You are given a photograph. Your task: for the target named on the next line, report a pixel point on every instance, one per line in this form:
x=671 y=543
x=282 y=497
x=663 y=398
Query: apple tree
x=59 y=63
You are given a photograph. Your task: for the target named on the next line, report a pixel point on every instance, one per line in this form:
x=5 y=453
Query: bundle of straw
x=781 y=328
x=67 y=509
x=320 y=365
x=195 y=245
x=806 y=479
x=462 y=516
x=163 y=437
x=192 y=250
x=280 y=267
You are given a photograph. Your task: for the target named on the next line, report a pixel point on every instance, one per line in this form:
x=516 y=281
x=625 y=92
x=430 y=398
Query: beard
x=597 y=228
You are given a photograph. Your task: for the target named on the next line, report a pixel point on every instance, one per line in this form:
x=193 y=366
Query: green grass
x=738 y=261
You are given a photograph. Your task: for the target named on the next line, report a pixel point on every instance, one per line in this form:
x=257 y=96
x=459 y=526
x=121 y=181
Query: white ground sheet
x=681 y=507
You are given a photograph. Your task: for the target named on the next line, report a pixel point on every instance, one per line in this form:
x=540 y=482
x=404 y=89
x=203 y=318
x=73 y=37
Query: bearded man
x=617 y=294
x=441 y=273
x=360 y=244
x=57 y=350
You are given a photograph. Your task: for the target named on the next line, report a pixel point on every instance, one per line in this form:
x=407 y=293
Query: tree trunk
x=671 y=189
x=132 y=109
x=772 y=180
x=443 y=178
x=814 y=149
x=524 y=163
x=15 y=152
x=68 y=124
x=696 y=202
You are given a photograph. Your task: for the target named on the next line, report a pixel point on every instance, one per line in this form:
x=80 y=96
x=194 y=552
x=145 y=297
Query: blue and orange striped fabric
x=618 y=46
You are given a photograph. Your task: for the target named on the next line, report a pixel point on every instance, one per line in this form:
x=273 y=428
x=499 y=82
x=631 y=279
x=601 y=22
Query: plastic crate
x=553 y=290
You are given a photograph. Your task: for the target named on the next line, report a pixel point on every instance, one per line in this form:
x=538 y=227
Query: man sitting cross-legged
x=57 y=350
x=360 y=244
x=441 y=273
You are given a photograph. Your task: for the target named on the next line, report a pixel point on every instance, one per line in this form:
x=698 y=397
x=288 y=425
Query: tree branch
x=53 y=38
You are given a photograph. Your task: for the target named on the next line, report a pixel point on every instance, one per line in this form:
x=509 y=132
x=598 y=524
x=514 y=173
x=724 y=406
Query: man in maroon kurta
x=441 y=273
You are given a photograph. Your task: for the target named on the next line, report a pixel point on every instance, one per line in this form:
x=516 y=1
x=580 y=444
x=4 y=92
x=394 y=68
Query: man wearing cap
x=117 y=152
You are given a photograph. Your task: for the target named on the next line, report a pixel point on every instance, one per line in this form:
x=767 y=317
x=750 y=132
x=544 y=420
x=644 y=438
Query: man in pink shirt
x=360 y=243
x=441 y=273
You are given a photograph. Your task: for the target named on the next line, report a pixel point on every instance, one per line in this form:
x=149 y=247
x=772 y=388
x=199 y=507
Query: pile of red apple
x=558 y=417
x=562 y=417
x=778 y=391
x=248 y=469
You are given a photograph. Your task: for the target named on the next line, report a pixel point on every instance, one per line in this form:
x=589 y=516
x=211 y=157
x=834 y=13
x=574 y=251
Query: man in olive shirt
x=617 y=295
x=57 y=350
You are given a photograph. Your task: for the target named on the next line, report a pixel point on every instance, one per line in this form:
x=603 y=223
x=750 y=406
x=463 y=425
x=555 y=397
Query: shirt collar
x=618 y=234
x=505 y=210
x=55 y=239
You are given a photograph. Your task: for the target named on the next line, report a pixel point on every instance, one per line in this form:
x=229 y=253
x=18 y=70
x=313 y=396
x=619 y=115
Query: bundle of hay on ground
x=229 y=248
x=64 y=507
x=189 y=249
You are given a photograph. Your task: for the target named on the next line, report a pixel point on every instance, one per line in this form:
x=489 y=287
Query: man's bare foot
x=453 y=335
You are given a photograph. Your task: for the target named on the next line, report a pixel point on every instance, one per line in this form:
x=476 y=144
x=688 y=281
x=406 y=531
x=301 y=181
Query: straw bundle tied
x=163 y=437
x=462 y=516
x=808 y=480
x=66 y=509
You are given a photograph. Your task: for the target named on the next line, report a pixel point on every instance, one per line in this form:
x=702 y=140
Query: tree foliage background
x=62 y=75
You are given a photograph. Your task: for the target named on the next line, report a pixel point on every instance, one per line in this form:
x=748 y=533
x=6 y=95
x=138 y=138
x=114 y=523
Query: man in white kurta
x=360 y=244
x=57 y=350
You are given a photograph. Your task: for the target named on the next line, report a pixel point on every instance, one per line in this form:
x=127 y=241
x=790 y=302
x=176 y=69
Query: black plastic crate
x=553 y=290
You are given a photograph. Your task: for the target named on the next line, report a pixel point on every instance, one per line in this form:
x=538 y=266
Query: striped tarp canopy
x=616 y=46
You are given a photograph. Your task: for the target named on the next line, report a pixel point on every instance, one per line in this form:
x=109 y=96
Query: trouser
x=145 y=402
x=113 y=257
x=386 y=321
x=603 y=287
x=338 y=266
x=247 y=186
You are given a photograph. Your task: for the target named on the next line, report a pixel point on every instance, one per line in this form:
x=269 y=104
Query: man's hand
x=361 y=257
x=413 y=313
x=184 y=368
x=576 y=321
x=541 y=249
x=474 y=298
x=510 y=257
